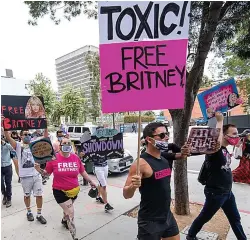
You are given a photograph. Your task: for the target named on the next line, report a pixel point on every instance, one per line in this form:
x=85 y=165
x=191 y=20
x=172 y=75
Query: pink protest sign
x=143 y=49
x=222 y=97
x=135 y=74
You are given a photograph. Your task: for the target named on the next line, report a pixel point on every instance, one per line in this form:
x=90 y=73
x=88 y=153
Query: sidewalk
x=91 y=220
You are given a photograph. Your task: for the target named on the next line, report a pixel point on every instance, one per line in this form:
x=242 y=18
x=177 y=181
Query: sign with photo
x=23 y=112
x=42 y=150
x=222 y=98
x=203 y=139
x=106 y=145
x=148 y=41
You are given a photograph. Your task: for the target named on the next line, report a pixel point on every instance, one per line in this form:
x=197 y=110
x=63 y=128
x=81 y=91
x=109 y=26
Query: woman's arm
x=86 y=176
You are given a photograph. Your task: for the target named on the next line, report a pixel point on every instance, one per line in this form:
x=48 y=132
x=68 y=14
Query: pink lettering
x=163 y=173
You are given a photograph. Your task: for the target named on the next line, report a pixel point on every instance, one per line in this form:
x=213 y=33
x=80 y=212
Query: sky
x=28 y=50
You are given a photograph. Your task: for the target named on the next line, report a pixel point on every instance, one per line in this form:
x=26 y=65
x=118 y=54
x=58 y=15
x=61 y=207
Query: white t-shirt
x=25 y=162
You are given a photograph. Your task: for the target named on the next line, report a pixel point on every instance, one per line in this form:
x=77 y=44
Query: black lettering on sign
x=151 y=29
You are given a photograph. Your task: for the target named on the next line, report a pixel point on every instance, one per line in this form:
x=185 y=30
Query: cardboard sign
x=148 y=42
x=23 y=112
x=222 y=97
x=202 y=139
x=42 y=150
x=103 y=148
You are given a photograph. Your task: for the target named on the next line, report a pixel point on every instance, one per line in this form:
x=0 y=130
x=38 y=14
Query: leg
x=212 y=204
x=38 y=192
x=233 y=216
x=3 y=190
x=68 y=209
x=8 y=181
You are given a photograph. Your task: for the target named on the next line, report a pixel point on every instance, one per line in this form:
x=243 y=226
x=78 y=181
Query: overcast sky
x=28 y=50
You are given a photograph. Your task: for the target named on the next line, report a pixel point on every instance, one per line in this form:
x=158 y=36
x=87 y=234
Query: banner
x=222 y=98
x=202 y=139
x=23 y=112
x=106 y=144
x=148 y=42
x=42 y=150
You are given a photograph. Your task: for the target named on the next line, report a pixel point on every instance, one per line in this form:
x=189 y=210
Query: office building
x=72 y=69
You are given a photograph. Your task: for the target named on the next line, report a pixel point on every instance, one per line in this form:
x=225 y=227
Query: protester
x=6 y=171
x=242 y=173
x=65 y=186
x=217 y=178
x=155 y=220
x=133 y=128
x=15 y=136
x=57 y=142
x=31 y=180
x=101 y=172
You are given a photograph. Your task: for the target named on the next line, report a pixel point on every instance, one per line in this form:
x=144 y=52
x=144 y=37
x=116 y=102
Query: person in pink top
x=65 y=186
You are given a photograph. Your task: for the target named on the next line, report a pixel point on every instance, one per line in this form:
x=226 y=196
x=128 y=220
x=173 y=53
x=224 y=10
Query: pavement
x=91 y=220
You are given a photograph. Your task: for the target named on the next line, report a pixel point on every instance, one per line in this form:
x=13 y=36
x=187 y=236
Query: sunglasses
x=161 y=135
x=27 y=134
x=66 y=144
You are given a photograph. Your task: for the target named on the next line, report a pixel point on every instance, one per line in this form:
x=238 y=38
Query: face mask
x=233 y=140
x=66 y=148
x=27 y=139
x=161 y=145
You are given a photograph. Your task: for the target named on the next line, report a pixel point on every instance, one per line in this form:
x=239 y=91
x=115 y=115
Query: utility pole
x=113 y=120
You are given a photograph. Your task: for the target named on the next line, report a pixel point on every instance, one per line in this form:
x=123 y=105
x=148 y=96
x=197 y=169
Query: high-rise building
x=72 y=69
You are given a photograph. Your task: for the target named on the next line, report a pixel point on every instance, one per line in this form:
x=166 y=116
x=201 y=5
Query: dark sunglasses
x=161 y=135
x=66 y=144
x=27 y=134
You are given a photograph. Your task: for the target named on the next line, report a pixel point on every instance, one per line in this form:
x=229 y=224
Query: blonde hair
x=29 y=113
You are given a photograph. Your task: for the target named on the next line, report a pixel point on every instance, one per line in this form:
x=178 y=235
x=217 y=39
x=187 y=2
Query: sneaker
x=4 y=201
x=100 y=200
x=108 y=207
x=41 y=219
x=30 y=217
x=8 y=203
x=65 y=224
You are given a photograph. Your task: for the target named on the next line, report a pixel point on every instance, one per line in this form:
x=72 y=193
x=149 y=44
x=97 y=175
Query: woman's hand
x=92 y=184
x=37 y=167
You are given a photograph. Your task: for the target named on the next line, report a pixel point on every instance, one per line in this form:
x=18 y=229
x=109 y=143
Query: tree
x=41 y=86
x=206 y=82
x=73 y=104
x=212 y=23
x=94 y=69
x=149 y=113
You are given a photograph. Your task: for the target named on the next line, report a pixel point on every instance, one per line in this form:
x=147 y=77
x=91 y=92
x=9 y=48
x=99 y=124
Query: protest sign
x=148 y=42
x=23 y=112
x=222 y=97
x=102 y=147
x=42 y=150
x=203 y=139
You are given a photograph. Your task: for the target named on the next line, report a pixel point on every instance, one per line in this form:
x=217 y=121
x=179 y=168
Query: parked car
x=116 y=165
x=76 y=131
x=201 y=122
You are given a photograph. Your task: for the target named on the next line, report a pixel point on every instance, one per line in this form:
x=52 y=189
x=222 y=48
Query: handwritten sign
x=99 y=148
x=203 y=139
x=148 y=42
x=23 y=112
x=42 y=150
x=222 y=97
x=106 y=132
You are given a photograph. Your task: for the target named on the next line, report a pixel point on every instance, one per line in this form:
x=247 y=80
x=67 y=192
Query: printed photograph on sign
x=23 y=112
x=42 y=150
x=222 y=97
x=148 y=41
x=203 y=139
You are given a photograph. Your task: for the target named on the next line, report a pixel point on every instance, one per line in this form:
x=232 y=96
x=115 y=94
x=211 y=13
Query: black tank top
x=155 y=190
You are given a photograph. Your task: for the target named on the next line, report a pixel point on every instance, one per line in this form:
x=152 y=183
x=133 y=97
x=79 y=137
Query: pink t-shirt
x=65 y=171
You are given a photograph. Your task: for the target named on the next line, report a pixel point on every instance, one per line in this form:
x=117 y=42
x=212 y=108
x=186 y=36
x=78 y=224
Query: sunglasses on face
x=161 y=135
x=27 y=134
x=65 y=144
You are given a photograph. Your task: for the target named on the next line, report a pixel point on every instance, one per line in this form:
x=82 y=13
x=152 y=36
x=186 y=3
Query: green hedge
x=134 y=119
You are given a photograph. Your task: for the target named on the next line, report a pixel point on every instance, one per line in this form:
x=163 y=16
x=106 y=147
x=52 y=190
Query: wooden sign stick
x=139 y=145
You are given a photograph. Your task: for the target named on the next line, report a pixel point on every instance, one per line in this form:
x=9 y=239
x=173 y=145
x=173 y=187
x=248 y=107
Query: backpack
x=204 y=173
